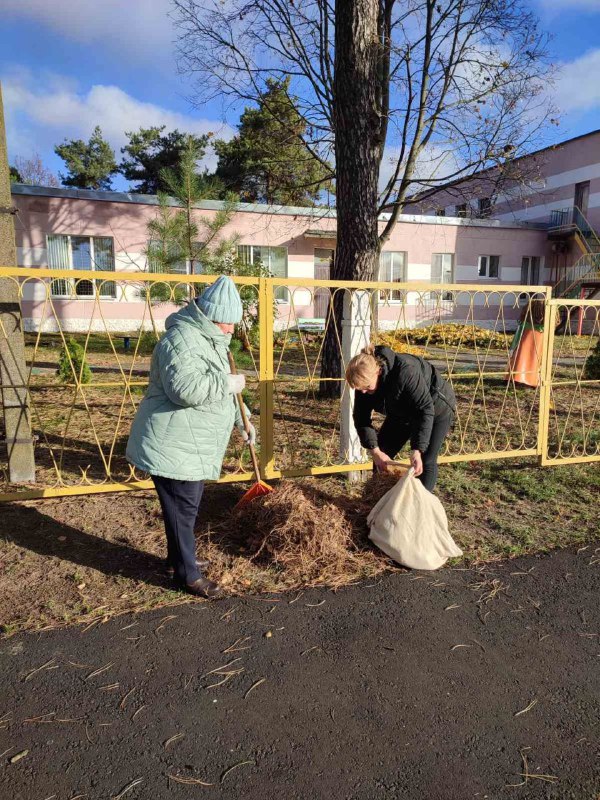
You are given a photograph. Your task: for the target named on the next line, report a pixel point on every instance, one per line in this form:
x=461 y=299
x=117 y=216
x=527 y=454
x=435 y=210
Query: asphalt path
x=456 y=684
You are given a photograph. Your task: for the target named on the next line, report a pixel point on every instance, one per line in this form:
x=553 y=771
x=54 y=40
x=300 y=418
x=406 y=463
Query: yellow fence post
x=546 y=380
x=266 y=318
x=489 y=423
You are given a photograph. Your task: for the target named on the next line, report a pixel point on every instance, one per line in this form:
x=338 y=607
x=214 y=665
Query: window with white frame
x=81 y=253
x=274 y=259
x=392 y=268
x=166 y=257
x=442 y=270
x=530 y=271
x=489 y=267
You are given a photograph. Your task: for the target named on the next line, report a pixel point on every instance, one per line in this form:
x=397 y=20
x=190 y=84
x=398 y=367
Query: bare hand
x=380 y=460
x=416 y=462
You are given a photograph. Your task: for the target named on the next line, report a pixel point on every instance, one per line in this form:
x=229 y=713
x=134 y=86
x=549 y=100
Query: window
x=489 y=266
x=81 y=253
x=440 y=212
x=442 y=270
x=460 y=210
x=484 y=207
x=274 y=259
x=166 y=257
x=392 y=267
x=530 y=271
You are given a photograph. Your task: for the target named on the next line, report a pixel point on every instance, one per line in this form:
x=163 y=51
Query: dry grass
x=89 y=560
x=298 y=536
x=86 y=560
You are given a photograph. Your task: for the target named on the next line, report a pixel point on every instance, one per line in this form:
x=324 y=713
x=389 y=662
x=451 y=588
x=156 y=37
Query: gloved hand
x=236 y=383
x=249 y=436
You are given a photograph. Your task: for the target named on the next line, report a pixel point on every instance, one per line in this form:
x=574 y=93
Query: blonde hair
x=363 y=369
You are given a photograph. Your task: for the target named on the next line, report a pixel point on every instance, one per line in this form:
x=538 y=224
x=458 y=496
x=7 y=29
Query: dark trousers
x=394 y=435
x=180 y=501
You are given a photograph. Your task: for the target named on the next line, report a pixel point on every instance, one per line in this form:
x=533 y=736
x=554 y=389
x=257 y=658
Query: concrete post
x=15 y=402
x=356 y=334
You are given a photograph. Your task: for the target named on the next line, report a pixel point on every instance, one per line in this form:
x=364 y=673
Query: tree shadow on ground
x=33 y=530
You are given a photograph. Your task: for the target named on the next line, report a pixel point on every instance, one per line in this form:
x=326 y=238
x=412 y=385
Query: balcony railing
x=570 y=218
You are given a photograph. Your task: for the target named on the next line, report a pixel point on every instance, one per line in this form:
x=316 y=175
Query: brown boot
x=203 y=587
x=201 y=564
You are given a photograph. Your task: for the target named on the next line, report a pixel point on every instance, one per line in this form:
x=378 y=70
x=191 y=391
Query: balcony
x=568 y=219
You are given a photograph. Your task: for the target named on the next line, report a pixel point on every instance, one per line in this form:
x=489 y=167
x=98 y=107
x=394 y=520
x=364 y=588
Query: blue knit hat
x=220 y=301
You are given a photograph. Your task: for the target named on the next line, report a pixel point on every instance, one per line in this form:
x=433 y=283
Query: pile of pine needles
x=299 y=536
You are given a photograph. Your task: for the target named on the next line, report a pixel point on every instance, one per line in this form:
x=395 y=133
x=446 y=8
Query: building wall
x=546 y=183
x=125 y=219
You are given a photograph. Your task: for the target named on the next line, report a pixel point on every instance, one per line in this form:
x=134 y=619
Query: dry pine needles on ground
x=299 y=536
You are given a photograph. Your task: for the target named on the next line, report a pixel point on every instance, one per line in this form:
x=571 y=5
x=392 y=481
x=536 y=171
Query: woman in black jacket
x=418 y=405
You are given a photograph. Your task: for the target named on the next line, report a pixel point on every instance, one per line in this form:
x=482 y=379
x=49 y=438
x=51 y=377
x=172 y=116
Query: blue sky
x=67 y=65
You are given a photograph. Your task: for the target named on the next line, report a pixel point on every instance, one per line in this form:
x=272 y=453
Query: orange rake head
x=259 y=489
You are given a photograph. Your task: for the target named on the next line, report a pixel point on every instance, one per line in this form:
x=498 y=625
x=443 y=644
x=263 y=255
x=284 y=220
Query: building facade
x=89 y=230
x=536 y=187
x=557 y=188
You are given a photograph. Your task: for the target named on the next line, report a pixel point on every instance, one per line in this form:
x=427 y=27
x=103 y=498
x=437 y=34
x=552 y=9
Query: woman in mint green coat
x=183 y=425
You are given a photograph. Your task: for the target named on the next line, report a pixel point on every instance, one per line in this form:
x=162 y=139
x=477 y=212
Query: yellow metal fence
x=80 y=428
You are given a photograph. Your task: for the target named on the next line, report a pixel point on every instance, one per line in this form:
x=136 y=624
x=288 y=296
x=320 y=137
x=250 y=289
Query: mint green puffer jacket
x=184 y=422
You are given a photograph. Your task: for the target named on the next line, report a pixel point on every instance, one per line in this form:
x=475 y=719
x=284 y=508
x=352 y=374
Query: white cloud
x=577 y=88
x=133 y=28
x=560 y=6
x=44 y=111
x=436 y=162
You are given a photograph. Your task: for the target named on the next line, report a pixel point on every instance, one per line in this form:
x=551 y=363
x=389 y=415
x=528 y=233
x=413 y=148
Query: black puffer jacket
x=410 y=391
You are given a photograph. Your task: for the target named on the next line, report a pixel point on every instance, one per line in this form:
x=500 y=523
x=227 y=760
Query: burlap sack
x=410 y=525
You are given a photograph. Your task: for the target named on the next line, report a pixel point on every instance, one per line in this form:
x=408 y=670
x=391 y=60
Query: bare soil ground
x=86 y=559
x=82 y=434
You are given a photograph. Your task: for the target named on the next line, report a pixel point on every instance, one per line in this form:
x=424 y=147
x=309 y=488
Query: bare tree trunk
x=358 y=152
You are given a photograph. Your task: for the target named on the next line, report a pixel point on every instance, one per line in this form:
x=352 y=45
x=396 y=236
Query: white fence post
x=356 y=334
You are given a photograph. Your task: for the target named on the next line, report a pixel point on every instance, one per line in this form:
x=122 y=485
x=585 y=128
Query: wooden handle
x=245 y=423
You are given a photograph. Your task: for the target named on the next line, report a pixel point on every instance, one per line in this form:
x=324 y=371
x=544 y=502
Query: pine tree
x=72 y=364
x=179 y=238
x=150 y=152
x=267 y=160
x=89 y=164
x=592 y=364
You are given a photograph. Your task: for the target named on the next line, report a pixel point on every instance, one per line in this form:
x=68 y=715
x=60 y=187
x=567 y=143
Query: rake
x=259 y=488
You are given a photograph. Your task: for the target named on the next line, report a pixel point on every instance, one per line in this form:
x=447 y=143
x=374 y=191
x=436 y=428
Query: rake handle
x=240 y=400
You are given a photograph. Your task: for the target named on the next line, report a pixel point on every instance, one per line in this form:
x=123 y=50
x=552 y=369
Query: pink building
x=80 y=229
x=557 y=188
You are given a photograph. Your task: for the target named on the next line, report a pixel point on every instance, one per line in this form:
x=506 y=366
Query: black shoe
x=201 y=564
x=203 y=587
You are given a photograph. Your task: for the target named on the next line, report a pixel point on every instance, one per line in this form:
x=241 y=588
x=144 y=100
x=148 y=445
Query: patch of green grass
x=509 y=508
x=243 y=359
x=535 y=485
x=9 y=628
x=249 y=398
